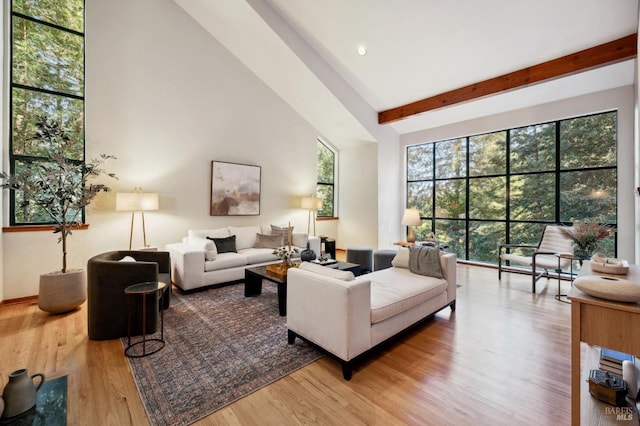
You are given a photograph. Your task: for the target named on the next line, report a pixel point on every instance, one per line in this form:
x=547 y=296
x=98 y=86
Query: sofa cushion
x=267 y=241
x=395 y=290
x=327 y=272
x=225 y=245
x=225 y=261
x=245 y=236
x=258 y=255
x=213 y=233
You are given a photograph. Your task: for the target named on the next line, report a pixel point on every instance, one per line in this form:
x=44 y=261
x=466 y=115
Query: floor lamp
x=137 y=201
x=312 y=204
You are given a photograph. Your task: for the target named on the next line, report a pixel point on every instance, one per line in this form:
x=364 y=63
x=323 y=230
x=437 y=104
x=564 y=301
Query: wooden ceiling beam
x=604 y=54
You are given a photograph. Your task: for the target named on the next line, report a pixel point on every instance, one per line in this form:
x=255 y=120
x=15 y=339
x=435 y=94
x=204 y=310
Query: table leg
x=144 y=324
x=575 y=363
x=252 y=284
x=282 y=299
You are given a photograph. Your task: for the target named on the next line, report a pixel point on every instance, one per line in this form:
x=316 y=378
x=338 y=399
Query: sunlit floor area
x=502 y=358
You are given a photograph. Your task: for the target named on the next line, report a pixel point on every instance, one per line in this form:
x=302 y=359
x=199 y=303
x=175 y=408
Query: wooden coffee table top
x=262 y=271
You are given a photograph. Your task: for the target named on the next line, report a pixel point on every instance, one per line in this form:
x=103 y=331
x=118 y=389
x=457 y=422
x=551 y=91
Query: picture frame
x=235 y=189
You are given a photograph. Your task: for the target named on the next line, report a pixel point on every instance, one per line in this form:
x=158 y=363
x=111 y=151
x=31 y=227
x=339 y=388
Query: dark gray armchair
x=108 y=276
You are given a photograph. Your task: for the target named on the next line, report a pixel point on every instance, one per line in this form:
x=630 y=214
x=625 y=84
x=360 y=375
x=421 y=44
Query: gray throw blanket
x=425 y=261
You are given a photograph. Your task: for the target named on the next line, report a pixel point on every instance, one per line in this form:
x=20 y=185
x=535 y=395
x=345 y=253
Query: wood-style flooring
x=503 y=358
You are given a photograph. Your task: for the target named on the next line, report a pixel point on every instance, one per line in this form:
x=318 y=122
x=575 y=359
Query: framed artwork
x=235 y=189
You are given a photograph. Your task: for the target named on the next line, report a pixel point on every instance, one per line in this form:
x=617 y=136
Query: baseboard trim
x=27 y=299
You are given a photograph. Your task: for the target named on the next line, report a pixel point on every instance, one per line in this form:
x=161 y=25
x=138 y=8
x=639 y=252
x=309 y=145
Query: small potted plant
x=60 y=188
x=586 y=237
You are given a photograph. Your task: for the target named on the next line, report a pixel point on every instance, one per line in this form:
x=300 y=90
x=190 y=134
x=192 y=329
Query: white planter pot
x=62 y=292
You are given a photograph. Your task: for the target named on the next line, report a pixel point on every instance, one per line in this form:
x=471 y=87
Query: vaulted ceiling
x=306 y=51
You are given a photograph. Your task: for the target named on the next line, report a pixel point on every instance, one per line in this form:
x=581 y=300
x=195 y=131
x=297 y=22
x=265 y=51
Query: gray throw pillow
x=280 y=232
x=267 y=241
x=225 y=245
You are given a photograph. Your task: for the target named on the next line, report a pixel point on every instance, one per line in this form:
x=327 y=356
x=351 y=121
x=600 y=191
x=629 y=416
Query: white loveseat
x=195 y=262
x=349 y=317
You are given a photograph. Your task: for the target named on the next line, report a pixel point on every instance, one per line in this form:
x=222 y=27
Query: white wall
x=358 y=197
x=622 y=99
x=166 y=99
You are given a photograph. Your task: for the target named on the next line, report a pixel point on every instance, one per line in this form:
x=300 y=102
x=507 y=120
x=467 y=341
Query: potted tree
x=59 y=188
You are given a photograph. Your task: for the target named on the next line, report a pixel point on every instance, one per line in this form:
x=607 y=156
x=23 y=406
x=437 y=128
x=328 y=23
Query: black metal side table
x=144 y=289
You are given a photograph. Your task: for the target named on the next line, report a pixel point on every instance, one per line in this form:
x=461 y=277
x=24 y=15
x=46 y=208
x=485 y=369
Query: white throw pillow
x=401 y=260
x=327 y=272
x=299 y=239
x=209 y=247
x=127 y=259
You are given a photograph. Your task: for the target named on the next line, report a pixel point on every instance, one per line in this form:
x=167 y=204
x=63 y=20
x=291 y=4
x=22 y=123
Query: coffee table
x=253 y=281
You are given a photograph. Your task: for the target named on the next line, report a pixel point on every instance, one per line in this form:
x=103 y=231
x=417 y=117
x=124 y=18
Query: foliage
x=49 y=58
x=57 y=186
x=587 y=235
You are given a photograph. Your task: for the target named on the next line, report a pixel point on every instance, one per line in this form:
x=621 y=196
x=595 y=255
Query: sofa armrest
x=449 y=262
x=187 y=265
x=334 y=314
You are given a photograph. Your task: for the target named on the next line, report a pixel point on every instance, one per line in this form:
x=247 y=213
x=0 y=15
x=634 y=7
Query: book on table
x=611 y=360
x=615 y=356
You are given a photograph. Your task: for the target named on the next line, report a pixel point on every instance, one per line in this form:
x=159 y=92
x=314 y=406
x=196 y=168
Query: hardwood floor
x=502 y=358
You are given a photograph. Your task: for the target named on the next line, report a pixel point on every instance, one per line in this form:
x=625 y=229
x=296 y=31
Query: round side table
x=144 y=289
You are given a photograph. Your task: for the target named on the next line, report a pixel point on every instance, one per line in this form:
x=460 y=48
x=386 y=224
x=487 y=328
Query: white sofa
x=195 y=262
x=349 y=317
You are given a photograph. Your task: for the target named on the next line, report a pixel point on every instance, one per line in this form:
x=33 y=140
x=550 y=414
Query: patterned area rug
x=220 y=347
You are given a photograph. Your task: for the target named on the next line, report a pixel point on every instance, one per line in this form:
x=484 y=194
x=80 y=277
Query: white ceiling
x=306 y=52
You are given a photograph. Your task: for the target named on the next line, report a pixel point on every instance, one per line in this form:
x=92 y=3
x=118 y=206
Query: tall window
x=478 y=191
x=326 y=180
x=47 y=81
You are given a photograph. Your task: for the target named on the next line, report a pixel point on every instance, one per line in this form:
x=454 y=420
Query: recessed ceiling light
x=362 y=50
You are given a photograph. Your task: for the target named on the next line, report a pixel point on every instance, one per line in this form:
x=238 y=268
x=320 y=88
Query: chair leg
x=534 y=276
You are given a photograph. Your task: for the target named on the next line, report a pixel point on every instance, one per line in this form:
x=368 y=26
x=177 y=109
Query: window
x=478 y=191
x=47 y=80
x=326 y=180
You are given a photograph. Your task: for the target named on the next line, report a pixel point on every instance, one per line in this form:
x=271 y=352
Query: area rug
x=220 y=346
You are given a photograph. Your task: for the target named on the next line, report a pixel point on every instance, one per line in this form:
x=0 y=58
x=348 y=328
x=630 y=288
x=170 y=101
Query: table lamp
x=410 y=219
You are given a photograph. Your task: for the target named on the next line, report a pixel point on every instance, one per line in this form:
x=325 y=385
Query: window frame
x=322 y=144
x=14 y=158
x=510 y=224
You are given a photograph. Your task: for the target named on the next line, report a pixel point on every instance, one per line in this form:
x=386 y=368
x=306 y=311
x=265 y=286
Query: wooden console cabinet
x=603 y=323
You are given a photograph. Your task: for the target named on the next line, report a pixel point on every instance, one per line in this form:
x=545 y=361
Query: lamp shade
x=311 y=203
x=137 y=201
x=411 y=217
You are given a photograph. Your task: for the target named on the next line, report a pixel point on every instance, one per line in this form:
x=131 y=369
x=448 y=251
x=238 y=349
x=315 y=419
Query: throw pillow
x=225 y=245
x=267 y=241
x=425 y=260
x=326 y=271
x=127 y=259
x=300 y=240
x=281 y=232
x=401 y=260
x=205 y=244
